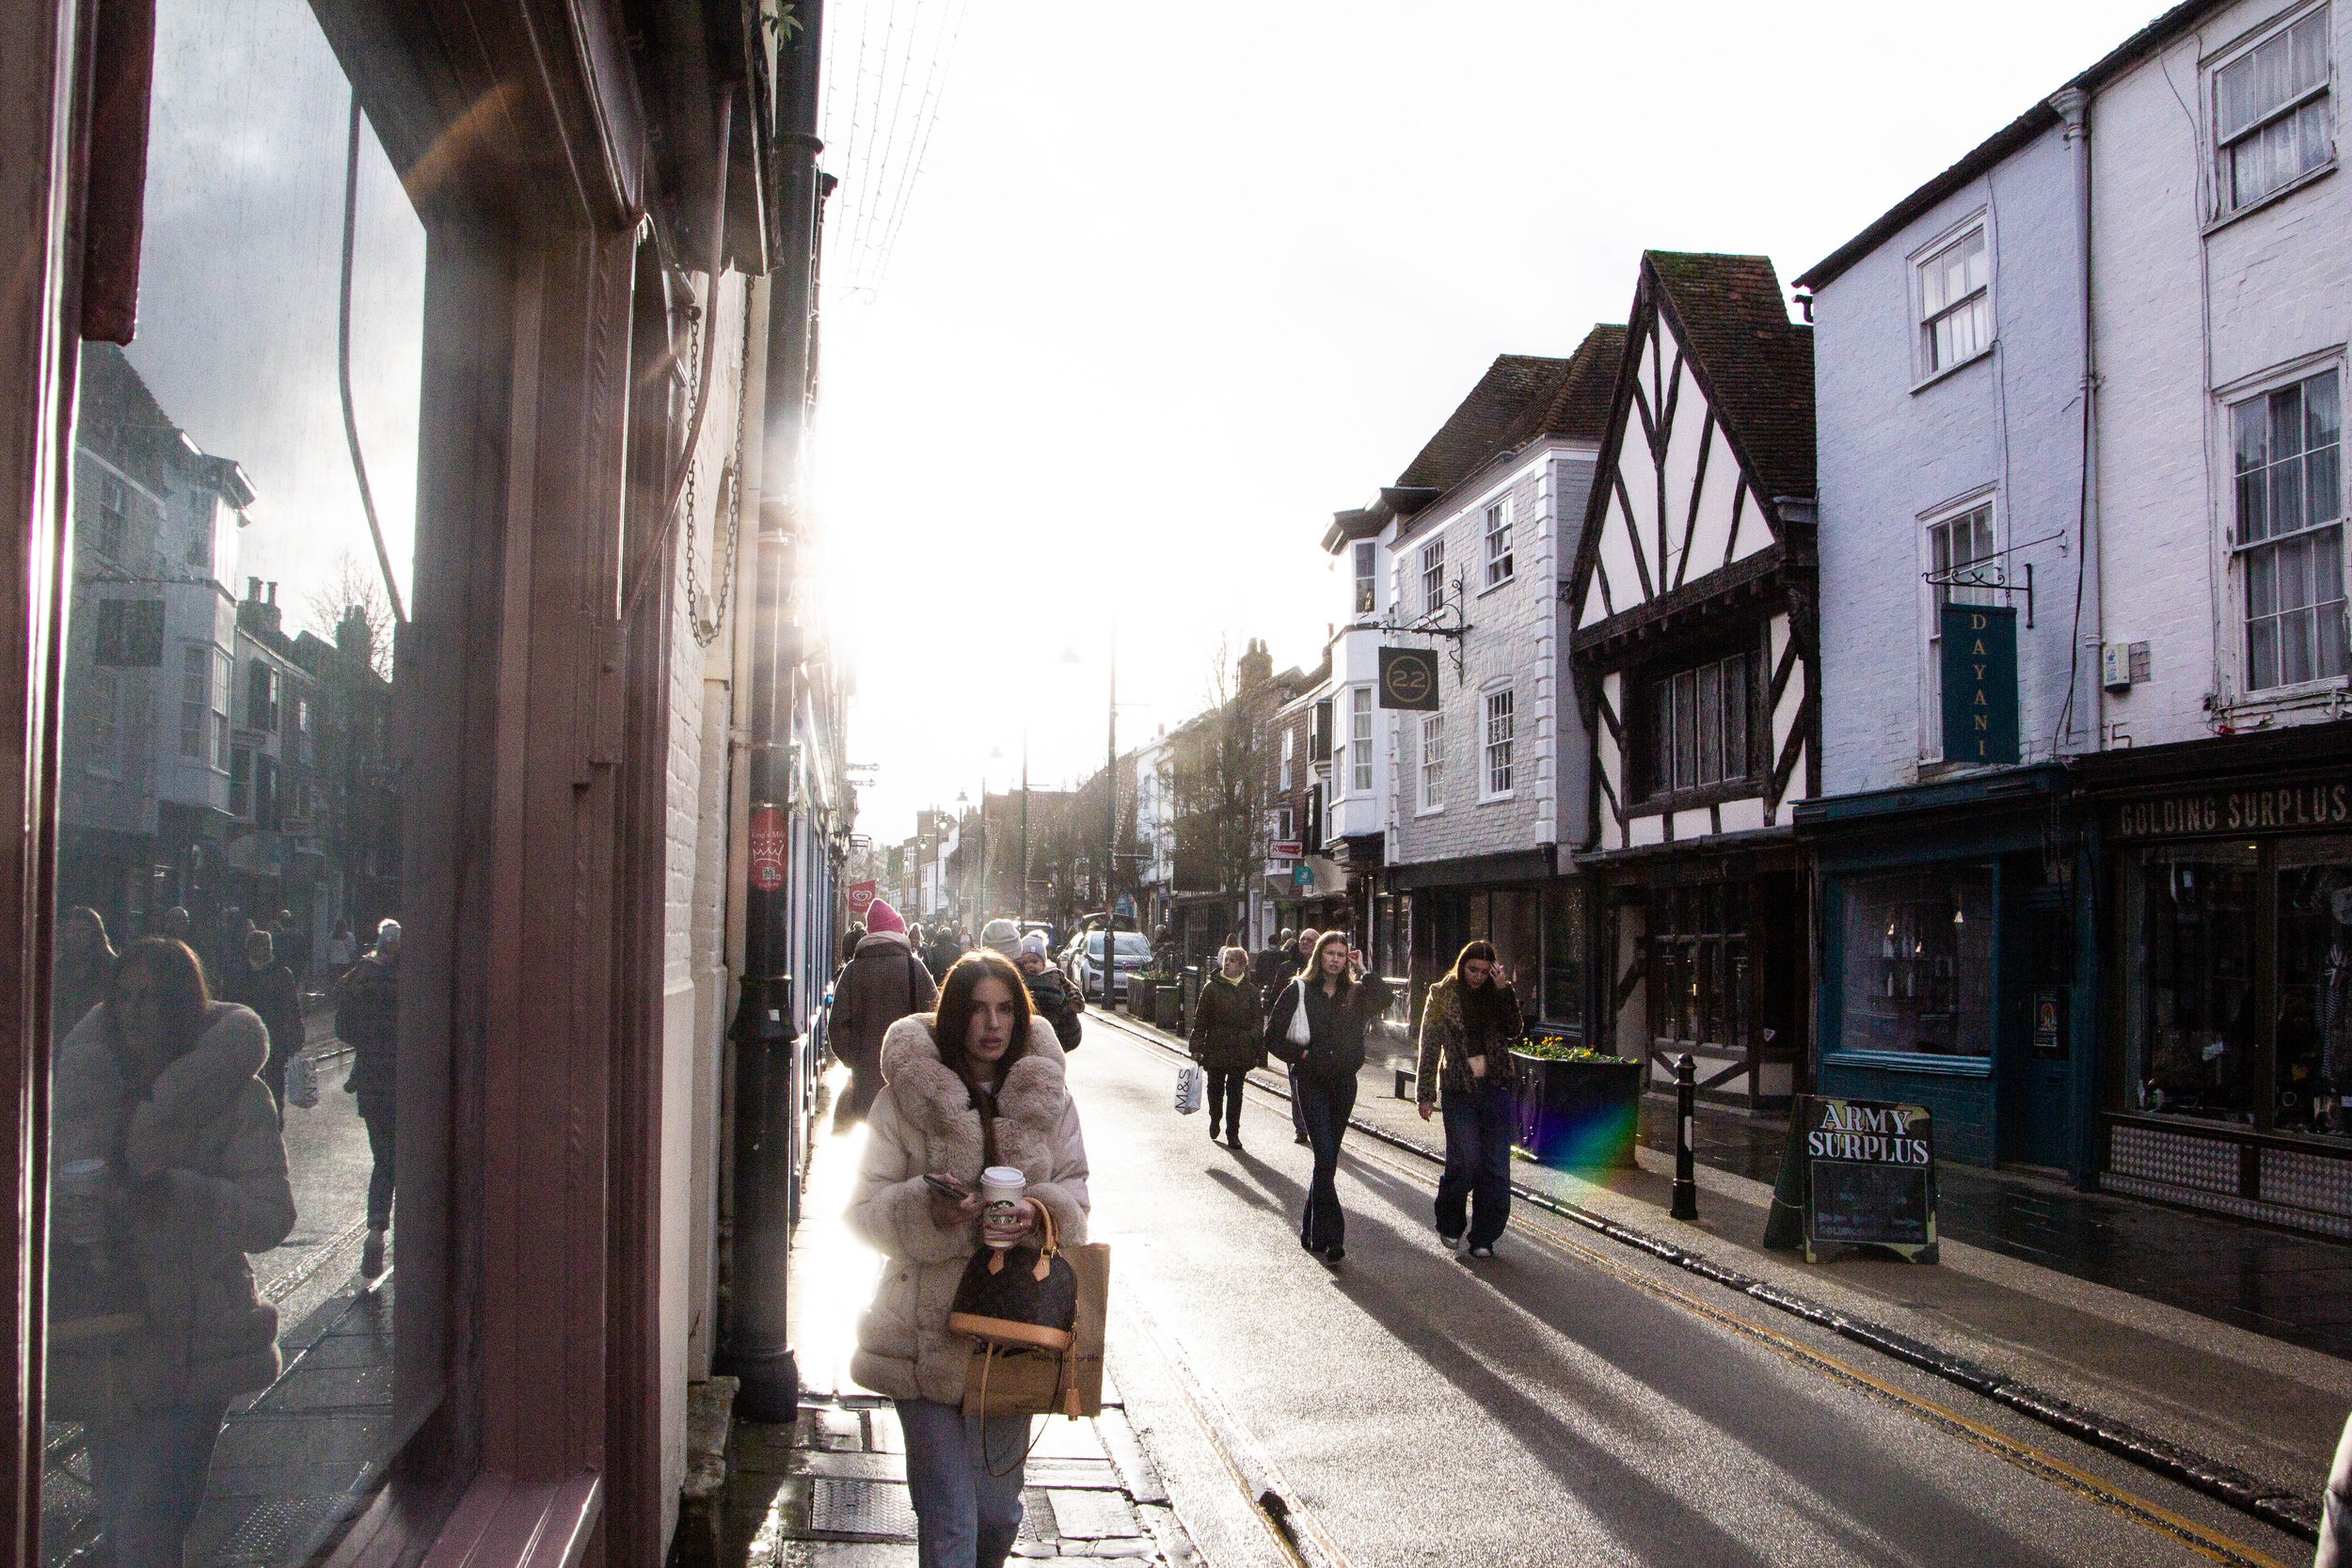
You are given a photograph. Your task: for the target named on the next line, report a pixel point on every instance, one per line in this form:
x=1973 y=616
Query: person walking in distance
x=882 y=982
x=342 y=950
x=167 y=1171
x=978 y=1083
x=1049 y=993
x=1468 y=1025
x=268 y=986
x=1270 y=971
x=85 y=968
x=1227 y=1030
x=367 y=1018
x=1339 y=1001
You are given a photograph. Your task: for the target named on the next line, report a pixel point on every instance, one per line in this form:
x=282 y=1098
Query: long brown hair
x=1314 y=965
x=1489 y=999
x=1481 y=948
x=169 y=965
x=951 y=1023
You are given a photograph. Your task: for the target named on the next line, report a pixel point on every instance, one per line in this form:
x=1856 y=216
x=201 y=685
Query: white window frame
x=196 y=683
x=1290 y=753
x=2237 y=552
x=100 y=693
x=1359 y=759
x=1924 y=320
x=1364 y=561
x=1432 y=770
x=1500 y=566
x=1432 y=564
x=1498 y=773
x=2287 y=110
x=1933 y=597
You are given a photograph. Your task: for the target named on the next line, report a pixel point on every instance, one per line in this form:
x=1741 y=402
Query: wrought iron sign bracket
x=1968 y=577
x=1450 y=623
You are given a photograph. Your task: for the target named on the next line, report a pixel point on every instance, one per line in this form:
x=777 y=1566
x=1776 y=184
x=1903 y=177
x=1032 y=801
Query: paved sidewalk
x=830 y=1490
x=2249 y=1400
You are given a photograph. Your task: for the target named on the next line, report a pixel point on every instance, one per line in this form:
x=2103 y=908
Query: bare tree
x=351 y=588
x=1219 y=779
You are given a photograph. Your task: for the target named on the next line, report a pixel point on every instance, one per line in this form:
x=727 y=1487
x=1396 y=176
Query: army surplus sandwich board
x=1856 y=1173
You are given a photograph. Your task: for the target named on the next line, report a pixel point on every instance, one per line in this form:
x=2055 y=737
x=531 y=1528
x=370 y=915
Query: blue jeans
x=965 y=1517
x=149 y=1472
x=1299 y=1111
x=1477 y=1164
x=1325 y=1104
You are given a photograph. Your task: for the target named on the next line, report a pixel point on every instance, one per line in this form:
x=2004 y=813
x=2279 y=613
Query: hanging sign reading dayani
x=1979 y=671
x=1856 y=1173
x=1408 y=679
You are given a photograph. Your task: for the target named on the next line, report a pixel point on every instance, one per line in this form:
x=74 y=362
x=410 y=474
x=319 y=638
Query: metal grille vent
x=869 y=1509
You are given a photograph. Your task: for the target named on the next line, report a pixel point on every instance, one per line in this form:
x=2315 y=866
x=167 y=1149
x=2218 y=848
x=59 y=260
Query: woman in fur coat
x=977 y=1083
x=169 y=1170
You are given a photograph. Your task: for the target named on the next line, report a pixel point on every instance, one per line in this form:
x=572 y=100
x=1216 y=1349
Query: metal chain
x=731 y=477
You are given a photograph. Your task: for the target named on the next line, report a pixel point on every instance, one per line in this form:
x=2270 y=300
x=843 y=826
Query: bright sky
x=1175 y=284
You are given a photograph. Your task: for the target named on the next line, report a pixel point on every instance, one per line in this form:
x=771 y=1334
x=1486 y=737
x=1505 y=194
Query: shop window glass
x=1698 y=963
x=1918 y=962
x=2192 y=1035
x=220 y=1324
x=2312 y=1064
x=1514 y=931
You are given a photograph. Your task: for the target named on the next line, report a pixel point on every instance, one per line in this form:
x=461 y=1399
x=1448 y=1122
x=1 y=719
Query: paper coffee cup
x=1001 y=1187
x=79 y=1185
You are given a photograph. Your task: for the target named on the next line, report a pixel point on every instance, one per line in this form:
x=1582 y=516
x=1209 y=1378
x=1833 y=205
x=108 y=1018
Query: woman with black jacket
x=1226 y=1030
x=1341 y=1002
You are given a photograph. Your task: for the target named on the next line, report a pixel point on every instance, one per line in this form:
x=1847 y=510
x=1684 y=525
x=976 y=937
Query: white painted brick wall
x=1515 y=632
x=2277 y=288
x=1891 y=452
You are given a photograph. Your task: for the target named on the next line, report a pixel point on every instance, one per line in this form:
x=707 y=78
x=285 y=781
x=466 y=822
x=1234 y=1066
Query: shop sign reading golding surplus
x=1856 y=1173
x=1408 y=679
x=1980 y=670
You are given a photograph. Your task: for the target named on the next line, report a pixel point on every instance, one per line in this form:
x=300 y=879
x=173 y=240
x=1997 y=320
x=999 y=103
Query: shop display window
x=2192 y=1033
x=2311 y=1070
x=1918 y=962
x=1565 y=935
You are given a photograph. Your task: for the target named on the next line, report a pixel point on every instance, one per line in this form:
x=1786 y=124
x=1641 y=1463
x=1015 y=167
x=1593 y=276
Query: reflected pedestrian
x=980 y=1082
x=882 y=982
x=169 y=1171
x=342 y=950
x=85 y=967
x=268 y=986
x=1340 y=1002
x=367 y=1018
x=1468 y=1026
x=1228 y=1040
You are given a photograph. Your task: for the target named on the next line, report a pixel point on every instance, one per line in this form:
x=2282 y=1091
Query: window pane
x=1710 y=725
x=1918 y=963
x=2262 y=650
x=1739 y=694
x=1686 y=730
x=2191 y=1024
x=1664 y=723
x=195 y=870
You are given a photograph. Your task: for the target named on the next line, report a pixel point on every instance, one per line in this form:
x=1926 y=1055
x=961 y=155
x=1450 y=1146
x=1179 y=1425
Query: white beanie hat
x=1034 y=941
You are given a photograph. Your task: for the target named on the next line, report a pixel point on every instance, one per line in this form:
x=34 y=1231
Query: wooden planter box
x=1577 y=1114
x=1169 y=1005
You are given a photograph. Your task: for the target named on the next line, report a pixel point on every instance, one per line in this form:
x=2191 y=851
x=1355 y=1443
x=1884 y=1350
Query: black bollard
x=1686 y=1194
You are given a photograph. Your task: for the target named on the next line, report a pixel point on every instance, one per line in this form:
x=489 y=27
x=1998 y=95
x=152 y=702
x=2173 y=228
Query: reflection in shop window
x=1919 y=961
x=220 y=1351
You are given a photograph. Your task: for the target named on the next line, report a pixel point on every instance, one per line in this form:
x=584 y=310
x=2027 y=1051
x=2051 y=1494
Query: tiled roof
x=1728 y=313
x=1520 y=397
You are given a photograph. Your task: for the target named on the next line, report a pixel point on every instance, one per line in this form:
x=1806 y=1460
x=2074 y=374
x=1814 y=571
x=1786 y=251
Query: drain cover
x=869 y=1510
x=286 y=1530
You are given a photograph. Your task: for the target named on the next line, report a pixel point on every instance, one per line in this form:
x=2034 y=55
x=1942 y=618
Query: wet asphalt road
x=1566 y=1403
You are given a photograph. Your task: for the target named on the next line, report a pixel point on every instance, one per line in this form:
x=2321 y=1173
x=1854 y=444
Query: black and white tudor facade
x=1696 y=652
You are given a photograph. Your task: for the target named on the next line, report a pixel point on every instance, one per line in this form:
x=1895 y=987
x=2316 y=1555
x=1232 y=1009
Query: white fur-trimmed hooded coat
x=923 y=1124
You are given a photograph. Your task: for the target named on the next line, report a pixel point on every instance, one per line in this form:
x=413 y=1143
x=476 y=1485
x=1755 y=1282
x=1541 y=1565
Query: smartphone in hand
x=947 y=1187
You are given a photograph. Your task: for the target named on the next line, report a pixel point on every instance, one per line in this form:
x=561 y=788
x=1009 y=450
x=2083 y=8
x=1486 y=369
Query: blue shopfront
x=1952 y=925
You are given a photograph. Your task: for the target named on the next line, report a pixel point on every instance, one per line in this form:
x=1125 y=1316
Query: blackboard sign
x=1856 y=1173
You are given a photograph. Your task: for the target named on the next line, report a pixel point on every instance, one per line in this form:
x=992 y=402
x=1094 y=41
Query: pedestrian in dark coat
x=1468 y=1026
x=882 y=982
x=367 y=1018
x=1270 y=971
x=1228 y=1038
x=85 y=967
x=1341 y=1002
x=1050 y=996
x=268 y=986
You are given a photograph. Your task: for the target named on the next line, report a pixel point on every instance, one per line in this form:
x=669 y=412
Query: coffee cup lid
x=1004 y=1176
